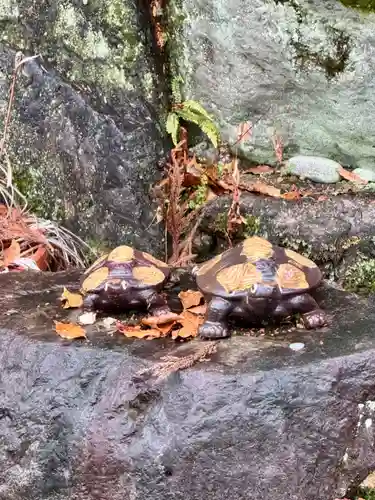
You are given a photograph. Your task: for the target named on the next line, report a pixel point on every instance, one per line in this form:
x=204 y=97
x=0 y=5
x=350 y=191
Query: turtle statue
x=257 y=280
x=126 y=278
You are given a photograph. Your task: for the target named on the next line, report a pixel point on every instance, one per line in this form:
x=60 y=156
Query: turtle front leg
x=312 y=315
x=215 y=324
x=156 y=303
x=89 y=302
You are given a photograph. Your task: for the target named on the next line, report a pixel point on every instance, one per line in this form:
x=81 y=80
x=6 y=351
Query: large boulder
x=298 y=69
x=80 y=421
x=84 y=139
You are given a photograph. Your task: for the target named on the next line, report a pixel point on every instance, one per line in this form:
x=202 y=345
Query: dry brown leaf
x=155 y=321
x=291 y=195
x=11 y=253
x=350 y=176
x=199 y=309
x=189 y=325
x=70 y=299
x=138 y=332
x=190 y=298
x=69 y=330
x=260 y=169
x=260 y=187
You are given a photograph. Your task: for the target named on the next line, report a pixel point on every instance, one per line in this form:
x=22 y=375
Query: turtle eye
x=254 y=288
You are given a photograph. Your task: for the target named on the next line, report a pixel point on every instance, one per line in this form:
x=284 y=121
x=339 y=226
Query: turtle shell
x=255 y=262
x=136 y=269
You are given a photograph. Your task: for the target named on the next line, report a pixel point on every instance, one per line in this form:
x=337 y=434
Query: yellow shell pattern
x=154 y=260
x=208 y=265
x=300 y=259
x=121 y=254
x=100 y=259
x=239 y=277
x=148 y=275
x=95 y=279
x=256 y=248
x=290 y=277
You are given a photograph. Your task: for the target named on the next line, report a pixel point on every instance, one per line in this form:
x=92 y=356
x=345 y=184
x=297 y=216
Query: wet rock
x=84 y=137
x=315 y=168
x=78 y=422
x=335 y=232
x=290 y=67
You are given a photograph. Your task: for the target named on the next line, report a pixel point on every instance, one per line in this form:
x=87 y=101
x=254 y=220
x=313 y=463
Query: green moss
x=221 y=222
x=175 y=48
x=366 y=493
x=251 y=226
x=364 y=5
x=97 y=44
x=297 y=245
x=360 y=278
x=333 y=62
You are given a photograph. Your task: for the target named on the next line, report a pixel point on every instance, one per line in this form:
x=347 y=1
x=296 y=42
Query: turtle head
x=261 y=290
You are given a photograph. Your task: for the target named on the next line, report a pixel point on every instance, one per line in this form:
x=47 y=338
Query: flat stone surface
x=296 y=69
x=258 y=420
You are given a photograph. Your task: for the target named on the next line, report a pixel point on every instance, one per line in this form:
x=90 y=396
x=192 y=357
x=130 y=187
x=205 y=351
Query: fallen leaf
x=11 y=253
x=137 y=331
x=260 y=187
x=190 y=298
x=260 y=169
x=165 y=328
x=291 y=195
x=322 y=197
x=199 y=309
x=69 y=330
x=70 y=299
x=155 y=321
x=87 y=318
x=189 y=325
x=350 y=176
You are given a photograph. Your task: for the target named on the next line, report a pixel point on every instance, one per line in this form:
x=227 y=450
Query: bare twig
x=18 y=65
x=171 y=364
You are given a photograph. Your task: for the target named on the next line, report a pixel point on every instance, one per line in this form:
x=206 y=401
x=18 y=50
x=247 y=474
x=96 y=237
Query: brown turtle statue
x=258 y=280
x=126 y=278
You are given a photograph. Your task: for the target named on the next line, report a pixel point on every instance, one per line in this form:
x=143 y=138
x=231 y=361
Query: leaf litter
x=184 y=325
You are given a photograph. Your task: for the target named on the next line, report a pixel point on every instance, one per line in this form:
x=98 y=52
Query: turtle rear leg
x=312 y=315
x=215 y=325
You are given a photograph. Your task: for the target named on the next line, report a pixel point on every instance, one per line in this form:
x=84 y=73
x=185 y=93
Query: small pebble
x=365 y=174
x=315 y=168
x=87 y=318
x=297 y=346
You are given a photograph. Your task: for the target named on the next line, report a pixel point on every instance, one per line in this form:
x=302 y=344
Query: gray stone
x=315 y=168
x=258 y=420
x=85 y=140
x=365 y=174
x=298 y=69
